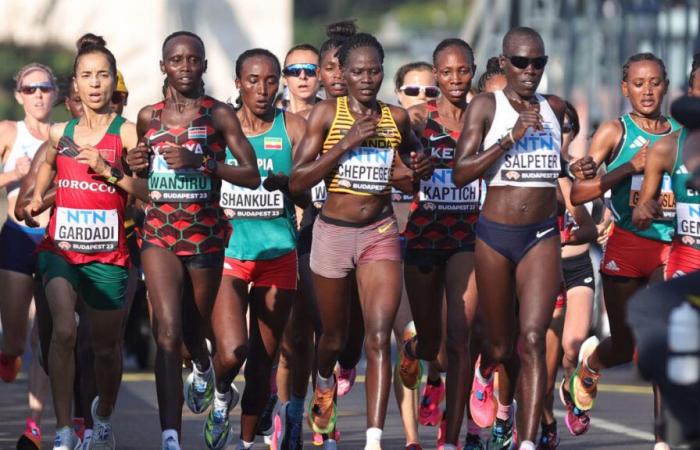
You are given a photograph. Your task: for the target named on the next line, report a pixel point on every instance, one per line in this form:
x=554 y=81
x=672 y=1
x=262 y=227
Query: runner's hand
x=644 y=213
x=91 y=156
x=178 y=157
x=640 y=159
x=529 y=118
x=138 y=157
x=32 y=209
x=421 y=165
x=584 y=168
x=364 y=128
x=275 y=181
x=22 y=166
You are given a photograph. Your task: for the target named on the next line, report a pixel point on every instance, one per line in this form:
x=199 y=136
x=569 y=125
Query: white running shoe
x=330 y=444
x=170 y=444
x=66 y=439
x=199 y=389
x=102 y=435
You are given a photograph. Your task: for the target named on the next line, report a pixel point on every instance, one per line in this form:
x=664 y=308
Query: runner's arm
x=246 y=173
x=295 y=129
x=586 y=231
x=8 y=134
x=26 y=187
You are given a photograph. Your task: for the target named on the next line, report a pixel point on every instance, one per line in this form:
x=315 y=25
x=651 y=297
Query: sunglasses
x=31 y=88
x=522 y=62
x=295 y=70
x=414 y=90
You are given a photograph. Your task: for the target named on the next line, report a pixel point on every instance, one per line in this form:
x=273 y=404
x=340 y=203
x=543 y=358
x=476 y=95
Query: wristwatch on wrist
x=115 y=175
x=209 y=165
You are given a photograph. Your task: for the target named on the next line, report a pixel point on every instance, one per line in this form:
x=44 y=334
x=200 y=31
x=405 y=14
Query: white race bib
x=534 y=158
x=688 y=223
x=183 y=185
x=668 y=200
x=243 y=203
x=440 y=194
x=366 y=169
x=319 y=194
x=86 y=230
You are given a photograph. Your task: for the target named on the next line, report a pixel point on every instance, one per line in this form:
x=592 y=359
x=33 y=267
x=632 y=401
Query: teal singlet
x=687 y=223
x=264 y=223
x=625 y=194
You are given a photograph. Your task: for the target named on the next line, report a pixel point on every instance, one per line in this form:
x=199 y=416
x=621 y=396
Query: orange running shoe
x=584 y=382
x=9 y=367
x=322 y=409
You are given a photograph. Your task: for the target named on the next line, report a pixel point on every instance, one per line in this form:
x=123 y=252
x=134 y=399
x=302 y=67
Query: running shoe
x=414 y=446
x=217 y=430
x=441 y=433
x=584 y=382
x=199 y=389
x=85 y=443
x=577 y=421
x=170 y=444
x=291 y=431
x=102 y=435
x=410 y=369
x=474 y=442
x=549 y=440
x=9 y=367
x=317 y=438
x=79 y=427
x=322 y=409
x=66 y=439
x=31 y=438
x=346 y=379
x=429 y=410
x=482 y=402
x=373 y=446
x=275 y=437
x=502 y=434
x=266 y=424
x=330 y=444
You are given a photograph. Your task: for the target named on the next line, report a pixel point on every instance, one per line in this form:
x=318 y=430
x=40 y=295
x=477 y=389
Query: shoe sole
x=226 y=442
x=24 y=443
x=186 y=389
x=588 y=346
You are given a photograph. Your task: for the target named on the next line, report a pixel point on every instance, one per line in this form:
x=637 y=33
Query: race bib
x=366 y=169
x=688 y=223
x=668 y=200
x=440 y=194
x=86 y=230
x=183 y=185
x=243 y=203
x=319 y=194
x=534 y=158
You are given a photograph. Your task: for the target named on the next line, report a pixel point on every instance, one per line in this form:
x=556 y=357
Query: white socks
x=170 y=432
x=374 y=438
x=527 y=445
x=325 y=383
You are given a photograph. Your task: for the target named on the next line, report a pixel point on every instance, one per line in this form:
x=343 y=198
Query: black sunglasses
x=295 y=70
x=522 y=62
x=30 y=89
x=415 y=90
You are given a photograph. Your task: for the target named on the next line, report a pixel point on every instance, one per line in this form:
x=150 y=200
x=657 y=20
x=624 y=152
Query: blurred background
x=587 y=40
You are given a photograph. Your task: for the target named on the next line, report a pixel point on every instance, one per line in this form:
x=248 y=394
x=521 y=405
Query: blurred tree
x=15 y=57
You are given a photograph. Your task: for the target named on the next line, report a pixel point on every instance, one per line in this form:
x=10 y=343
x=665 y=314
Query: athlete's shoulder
x=294 y=123
x=399 y=114
x=557 y=103
x=146 y=112
x=56 y=131
x=127 y=132
x=8 y=133
x=483 y=100
x=322 y=112
x=611 y=127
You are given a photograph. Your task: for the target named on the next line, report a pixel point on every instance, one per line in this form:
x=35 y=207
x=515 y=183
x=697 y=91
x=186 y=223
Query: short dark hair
x=694 y=68
x=493 y=67
x=410 y=67
x=256 y=52
x=182 y=33
x=337 y=32
x=518 y=32
x=572 y=114
x=356 y=41
x=454 y=42
x=646 y=56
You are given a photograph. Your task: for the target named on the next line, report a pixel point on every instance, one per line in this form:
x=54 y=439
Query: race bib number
x=319 y=194
x=688 y=223
x=534 y=158
x=440 y=194
x=366 y=169
x=243 y=203
x=183 y=185
x=86 y=230
x=668 y=200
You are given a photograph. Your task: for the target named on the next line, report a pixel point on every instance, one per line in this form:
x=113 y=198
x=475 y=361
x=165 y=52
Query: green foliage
x=14 y=58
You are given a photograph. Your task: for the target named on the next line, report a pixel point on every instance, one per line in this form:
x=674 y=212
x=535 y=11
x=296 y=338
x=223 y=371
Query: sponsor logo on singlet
x=533 y=158
x=86 y=231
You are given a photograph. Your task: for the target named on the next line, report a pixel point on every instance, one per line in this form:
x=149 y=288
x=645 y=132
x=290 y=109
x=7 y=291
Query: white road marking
x=614 y=427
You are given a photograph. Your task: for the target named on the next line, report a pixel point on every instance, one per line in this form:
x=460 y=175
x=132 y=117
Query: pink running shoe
x=429 y=410
x=317 y=438
x=576 y=420
x=441 y=433
x=276 y=434
x=482 y=402
x=345 y=379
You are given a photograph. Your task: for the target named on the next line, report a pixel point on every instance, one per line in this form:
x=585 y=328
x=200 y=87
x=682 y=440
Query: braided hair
x=356 y=41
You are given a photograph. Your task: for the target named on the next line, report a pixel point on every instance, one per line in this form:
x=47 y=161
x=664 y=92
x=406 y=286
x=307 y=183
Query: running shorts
x=682 y=260
x=631 y=256
x=578 y=271
x=101 y=286
x=17 y=247
x=199 y=261
x=280 y=272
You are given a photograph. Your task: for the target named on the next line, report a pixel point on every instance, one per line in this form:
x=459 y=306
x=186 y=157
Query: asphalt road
x=622 y=418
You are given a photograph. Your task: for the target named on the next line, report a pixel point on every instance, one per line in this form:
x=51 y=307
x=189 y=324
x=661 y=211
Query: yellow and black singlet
x=367 y=169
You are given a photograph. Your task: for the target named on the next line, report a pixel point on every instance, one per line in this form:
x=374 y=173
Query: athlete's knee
x=500 y=352
x=168 y=338
x=64 y=334
x=231 y=357
x=571 y=348
x=107 y=354
x=533 y=342
x=457 y=341
x=377 y=341
x=334 y=342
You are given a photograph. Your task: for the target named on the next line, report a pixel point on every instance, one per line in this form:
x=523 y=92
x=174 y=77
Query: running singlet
x=687 y=200
x=264 y=225
x=535 y=159
x=442 y=216
x=625 y=194
x=367 y=169
x=25 y=145
x=87 y=223
x=183 y=214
